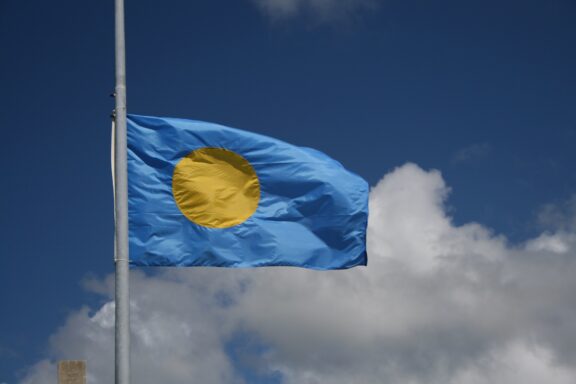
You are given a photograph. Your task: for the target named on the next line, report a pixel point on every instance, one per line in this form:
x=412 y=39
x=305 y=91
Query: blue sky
x=483 y=91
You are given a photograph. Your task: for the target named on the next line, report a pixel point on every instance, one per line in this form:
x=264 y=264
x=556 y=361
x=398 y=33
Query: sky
x=460 y=115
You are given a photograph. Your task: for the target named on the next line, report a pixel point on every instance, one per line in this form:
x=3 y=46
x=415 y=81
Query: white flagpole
x=122 y=337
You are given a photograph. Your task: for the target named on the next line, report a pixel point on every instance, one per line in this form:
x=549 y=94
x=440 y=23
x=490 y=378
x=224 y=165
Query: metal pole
x=122 y=337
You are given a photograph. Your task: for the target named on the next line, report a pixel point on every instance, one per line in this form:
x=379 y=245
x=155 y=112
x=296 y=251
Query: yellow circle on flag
x=215 y=187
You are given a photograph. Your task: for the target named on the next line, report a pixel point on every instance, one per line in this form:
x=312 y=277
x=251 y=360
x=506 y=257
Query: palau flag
x=202 y=194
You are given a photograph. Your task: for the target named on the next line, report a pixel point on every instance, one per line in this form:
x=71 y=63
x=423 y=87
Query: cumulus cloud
x=437 y=304
x=559 y=216
x=323 y=9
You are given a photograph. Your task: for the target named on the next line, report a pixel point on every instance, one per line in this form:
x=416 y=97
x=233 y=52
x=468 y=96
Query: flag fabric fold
x=202 y=194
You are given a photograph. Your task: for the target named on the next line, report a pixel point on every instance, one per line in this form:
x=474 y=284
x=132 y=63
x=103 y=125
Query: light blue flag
x=202 y=194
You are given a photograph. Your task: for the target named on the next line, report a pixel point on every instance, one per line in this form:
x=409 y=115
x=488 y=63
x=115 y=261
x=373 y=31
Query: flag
x=202 y=194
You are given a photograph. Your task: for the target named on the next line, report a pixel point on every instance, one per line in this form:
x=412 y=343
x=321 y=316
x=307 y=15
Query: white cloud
x=559 y=216
x=323 y=9
x=472 y=153
x=437 y=304
x=518 y=363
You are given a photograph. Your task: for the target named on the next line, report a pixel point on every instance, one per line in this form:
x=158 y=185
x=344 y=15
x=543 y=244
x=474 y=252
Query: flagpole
x=122 y=336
